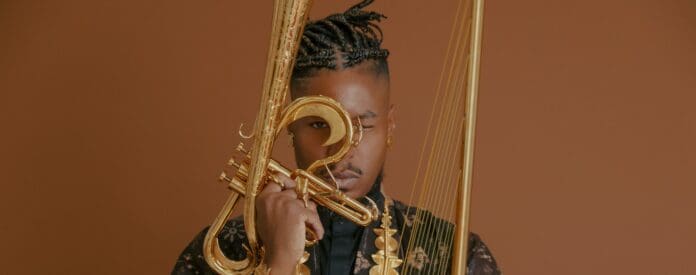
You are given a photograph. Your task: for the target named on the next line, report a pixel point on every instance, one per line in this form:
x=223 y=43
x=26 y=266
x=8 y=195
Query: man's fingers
x=273 y=187
x=270 y=188
x=290 y=193
x=314 y=223
x=311 y=205
x=311 y=218
x=285 y=180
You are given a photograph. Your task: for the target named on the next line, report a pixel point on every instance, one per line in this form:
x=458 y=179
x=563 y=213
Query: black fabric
x=335 y=252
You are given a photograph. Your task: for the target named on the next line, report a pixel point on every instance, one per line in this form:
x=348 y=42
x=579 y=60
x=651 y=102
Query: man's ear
x=391 y=121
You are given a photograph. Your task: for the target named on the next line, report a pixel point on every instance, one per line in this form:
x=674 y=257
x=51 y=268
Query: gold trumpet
x=309 y=186
x=257 y=168
x=317 y=189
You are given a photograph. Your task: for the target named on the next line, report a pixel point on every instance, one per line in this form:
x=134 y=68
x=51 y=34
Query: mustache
x=334 y=168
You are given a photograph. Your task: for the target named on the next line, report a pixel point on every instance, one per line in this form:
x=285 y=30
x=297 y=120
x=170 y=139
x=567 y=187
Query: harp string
x=428 y=132
x=441 y=199
x=442 y=168
x=434 y=171
x=437 y=102
x=441 y=191
x=438 y=166
x=455 y=173
x=452 y=176
x=420 y=221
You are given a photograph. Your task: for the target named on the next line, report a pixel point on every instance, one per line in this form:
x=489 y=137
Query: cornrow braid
x=353 y=34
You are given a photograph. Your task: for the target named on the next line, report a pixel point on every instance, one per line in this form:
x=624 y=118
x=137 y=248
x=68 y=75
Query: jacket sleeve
x=481 y=261
x=232 y=239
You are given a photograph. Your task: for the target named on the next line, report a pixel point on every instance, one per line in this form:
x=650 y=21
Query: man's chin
x=353 y=194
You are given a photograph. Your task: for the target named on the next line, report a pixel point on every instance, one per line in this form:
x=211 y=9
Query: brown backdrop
x=118 y=115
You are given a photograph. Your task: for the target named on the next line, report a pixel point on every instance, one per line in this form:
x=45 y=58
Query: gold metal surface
x=315 y=188
x=289 y=17
x=447 y=166
x=318 y=190
x=301 y=268
x=253 y=172
x=461 y=237
x=385 y=258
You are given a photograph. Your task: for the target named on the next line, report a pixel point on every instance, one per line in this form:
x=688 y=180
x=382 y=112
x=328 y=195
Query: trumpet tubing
x=318 y=190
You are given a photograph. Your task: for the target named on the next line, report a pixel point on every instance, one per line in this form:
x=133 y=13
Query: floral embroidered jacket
x=430 y=255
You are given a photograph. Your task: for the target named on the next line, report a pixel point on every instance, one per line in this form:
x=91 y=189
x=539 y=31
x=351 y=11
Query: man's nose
x=334 y=148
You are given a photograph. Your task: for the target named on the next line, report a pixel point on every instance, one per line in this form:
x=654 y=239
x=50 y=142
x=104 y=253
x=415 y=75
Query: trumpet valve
x=240 y=148
x=233 y=162
x=223 y=177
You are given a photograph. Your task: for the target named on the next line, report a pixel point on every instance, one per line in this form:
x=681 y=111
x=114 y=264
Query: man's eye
x=364 y=127
x=318 y=125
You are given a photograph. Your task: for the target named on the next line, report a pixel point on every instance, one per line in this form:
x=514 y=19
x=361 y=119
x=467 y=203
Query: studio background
x=117 y=117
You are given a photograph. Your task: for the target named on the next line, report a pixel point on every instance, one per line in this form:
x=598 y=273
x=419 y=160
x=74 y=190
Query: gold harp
x=458 y=109
x=446 y=161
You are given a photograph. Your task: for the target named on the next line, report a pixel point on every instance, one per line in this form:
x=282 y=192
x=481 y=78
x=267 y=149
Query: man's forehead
x=357 y=101
x=361 y=94
x=356 y=98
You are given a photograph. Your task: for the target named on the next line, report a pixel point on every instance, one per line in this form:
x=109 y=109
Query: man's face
x=365 y=95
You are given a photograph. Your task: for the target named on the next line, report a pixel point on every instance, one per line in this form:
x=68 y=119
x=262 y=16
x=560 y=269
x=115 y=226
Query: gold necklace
x=386 y=257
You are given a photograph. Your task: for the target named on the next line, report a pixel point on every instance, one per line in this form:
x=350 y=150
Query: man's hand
x=281 y=221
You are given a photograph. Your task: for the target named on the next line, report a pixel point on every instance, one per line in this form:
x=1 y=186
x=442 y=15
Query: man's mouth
x=344 y=177
x=345 y=174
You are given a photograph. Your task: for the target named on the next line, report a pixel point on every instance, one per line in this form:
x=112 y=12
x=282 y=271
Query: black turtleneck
x=335 y=253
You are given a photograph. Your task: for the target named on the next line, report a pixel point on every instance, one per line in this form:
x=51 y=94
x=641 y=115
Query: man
x=339 y=57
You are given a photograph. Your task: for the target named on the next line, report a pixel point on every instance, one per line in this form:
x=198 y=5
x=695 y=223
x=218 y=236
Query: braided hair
x=340 y=41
